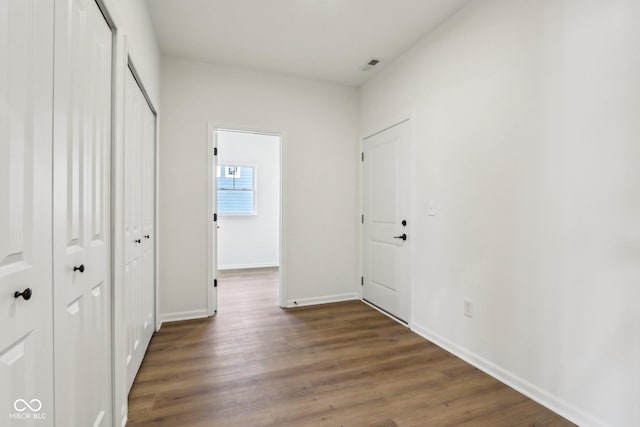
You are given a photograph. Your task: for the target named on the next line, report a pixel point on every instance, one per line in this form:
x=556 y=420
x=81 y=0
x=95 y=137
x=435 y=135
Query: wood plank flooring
x=343 y=364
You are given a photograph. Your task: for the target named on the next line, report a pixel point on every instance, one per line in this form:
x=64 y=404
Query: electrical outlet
x=468 y=308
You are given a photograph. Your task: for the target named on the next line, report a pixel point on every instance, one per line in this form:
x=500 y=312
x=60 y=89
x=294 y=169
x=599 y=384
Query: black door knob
x=404 y=222
x=146 y=236
x=79 y=268
x=26 y=294
x=137 y=241
x=403 y=237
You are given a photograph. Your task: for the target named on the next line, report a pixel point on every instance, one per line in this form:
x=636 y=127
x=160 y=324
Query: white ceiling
x=318 y=39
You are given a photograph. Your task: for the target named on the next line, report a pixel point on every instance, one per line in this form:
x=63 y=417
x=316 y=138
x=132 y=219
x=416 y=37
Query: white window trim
x=239 y=215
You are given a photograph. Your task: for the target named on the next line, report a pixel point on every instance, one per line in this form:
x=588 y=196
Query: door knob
x=137 y=241
x=26 y=294
x=146 y=236
x=79 y=268
x=403 y=237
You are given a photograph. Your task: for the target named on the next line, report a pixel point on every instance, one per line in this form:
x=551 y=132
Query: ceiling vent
x=370 y=65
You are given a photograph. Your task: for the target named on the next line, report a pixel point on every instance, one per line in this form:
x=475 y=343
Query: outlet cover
x=468 y=308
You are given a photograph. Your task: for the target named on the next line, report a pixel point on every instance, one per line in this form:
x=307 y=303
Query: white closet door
x=148 y=224
x=26 y=352
x=81 y=218
x=139 y=226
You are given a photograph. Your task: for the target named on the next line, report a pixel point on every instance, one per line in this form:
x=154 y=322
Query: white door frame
x=136 y=76
x=408 y=117
x=212 y=250
x=124 y=61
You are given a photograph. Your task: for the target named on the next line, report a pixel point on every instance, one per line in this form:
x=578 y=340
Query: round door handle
x=79 y=268
x=137 y=241
x=26 y=294
x=146 y=236
x=403 y=237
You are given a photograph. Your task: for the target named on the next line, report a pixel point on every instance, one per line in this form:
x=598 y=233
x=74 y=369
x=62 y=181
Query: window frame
x=241 y=165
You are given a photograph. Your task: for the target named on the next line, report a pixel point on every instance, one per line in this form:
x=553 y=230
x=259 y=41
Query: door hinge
x=362 y=156
x=215 y=217
x=362 y=218
x=361 y=280
x=215 y=151
x=215 y=283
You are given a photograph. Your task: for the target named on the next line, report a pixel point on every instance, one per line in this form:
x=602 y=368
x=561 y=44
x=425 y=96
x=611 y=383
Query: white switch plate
x=431 y=211
x=468 y=308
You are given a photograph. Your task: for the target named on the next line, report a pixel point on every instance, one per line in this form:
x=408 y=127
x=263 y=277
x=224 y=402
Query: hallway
x=343 y=364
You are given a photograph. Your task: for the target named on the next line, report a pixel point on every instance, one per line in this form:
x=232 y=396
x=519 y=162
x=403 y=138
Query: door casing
x=212 y=250
x=407 y=118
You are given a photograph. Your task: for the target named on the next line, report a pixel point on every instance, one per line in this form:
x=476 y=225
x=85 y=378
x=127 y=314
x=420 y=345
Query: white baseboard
x=532 y=391
x=301 y=302
x=183 y=315
x=252 y=265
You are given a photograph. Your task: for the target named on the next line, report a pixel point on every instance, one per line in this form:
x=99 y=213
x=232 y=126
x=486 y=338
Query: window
x=236 y=190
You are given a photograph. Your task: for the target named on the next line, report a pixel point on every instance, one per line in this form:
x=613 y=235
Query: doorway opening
x=246 y=226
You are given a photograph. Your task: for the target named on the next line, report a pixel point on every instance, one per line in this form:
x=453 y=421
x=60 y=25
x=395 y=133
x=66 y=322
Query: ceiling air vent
x=369 y=65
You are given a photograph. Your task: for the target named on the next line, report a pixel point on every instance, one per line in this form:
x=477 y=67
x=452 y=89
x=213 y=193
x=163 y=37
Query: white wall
x=252 y=241
x=527 y=130
x=135 y=23
x=320 y=126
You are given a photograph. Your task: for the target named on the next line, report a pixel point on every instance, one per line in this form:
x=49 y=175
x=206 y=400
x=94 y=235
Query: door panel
x=81 y=240
x=139 y=226
x=133 y=136
x=26 y=346
x=148 y=222
x=387 y=191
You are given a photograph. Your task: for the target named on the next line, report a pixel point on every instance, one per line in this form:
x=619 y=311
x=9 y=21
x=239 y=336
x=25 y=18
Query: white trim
x=184 y=315
x=212 y=268
x=254 y=213
x=405 y=118
x=554 y=403
x=120 y=411
x=387 y=124
x=123 y=62
x=301 y=302
x=386 y=128
x=212 y=232
x=244 y=266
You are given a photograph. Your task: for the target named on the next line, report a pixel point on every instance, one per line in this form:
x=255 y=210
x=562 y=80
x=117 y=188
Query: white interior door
x=148 y=223
x=139 y=301
x=26 y=346
x=81 y=217
x=387 y=225
x=212 y=218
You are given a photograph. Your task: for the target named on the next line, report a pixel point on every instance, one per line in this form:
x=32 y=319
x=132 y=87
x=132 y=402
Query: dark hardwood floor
x=343 y=364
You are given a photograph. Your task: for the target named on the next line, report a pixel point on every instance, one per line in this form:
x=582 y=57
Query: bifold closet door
x=26 y=347
x=139 y=226
x=81 y=217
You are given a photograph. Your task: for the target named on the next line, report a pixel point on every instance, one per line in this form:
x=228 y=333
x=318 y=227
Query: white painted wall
x=320 y=126
x=252 y=241
x=137 y=28
x=527 y=130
